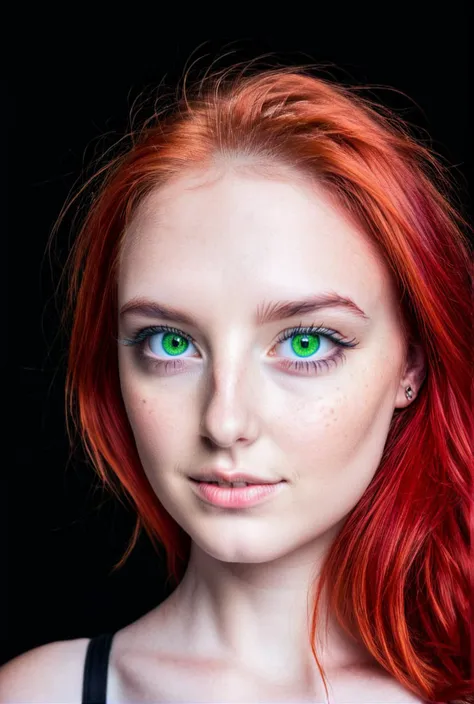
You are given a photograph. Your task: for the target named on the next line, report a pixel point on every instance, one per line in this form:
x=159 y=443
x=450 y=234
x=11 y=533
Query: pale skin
x=218 y=244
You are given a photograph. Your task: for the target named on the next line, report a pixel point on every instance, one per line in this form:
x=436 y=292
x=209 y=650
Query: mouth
x=232 y=485
x=237 y=495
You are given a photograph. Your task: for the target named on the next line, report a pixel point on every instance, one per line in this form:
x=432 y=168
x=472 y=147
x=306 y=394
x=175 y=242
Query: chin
x=240 y=548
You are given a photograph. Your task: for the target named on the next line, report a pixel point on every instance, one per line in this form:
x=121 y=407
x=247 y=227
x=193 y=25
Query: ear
x=413 y=375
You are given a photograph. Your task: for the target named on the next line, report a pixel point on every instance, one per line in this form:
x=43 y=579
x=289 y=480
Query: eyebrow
x=266 y=313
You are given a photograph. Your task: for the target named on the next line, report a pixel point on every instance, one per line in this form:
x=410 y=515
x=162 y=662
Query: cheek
x=158 y=425
x=331 y=423
x=333 y=447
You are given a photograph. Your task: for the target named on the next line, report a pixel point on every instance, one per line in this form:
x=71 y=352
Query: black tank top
x=94 y=685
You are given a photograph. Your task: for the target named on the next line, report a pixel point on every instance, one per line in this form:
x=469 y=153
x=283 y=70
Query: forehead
x=247 y=235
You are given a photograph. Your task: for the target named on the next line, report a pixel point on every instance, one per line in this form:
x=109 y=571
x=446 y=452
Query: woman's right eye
x=171 y=343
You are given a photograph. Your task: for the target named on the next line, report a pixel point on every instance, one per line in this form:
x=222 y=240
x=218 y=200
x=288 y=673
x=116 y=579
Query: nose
x=231 y=409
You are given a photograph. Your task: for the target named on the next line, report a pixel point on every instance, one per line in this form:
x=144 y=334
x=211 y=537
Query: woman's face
x=220 y=250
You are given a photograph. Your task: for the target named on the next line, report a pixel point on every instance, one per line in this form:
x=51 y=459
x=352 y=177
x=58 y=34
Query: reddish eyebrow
x=266 y=313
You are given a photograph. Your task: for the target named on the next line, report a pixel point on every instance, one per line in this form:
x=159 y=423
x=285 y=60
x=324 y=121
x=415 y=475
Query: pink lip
x=214 y=474
x=238 y=497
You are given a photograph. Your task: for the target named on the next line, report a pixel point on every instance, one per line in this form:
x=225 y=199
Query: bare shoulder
x=49 y=674
x=370 y=685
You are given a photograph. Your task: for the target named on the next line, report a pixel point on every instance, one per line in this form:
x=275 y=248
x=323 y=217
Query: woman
x=271 y=286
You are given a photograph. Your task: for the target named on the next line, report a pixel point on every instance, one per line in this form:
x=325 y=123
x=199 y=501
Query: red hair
x=399 y=570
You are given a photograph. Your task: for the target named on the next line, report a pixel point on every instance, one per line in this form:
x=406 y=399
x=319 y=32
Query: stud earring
x=408 y=392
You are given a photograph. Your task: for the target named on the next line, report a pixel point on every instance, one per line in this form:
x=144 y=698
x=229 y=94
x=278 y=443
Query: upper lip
x=217 y=475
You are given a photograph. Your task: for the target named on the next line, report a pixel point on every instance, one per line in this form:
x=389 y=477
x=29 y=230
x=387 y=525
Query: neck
x=257 y=615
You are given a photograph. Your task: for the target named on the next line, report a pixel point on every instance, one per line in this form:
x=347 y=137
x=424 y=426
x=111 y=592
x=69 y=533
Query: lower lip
x=238 y=497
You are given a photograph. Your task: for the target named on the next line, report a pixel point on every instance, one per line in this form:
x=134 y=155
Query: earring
x=408 y=392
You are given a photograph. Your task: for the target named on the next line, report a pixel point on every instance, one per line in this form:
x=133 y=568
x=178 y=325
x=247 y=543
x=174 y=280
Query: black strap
x=94 y=687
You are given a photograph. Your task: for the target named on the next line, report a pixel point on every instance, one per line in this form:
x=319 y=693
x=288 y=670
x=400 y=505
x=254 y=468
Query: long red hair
x=399 y=572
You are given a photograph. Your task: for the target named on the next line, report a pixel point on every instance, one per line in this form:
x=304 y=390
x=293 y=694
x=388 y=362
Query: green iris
x=174 y=344
x=305 y=345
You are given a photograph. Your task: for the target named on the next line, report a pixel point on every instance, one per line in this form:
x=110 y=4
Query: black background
x=72 y=82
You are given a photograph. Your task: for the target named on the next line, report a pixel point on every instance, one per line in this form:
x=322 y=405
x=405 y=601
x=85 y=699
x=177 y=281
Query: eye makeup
x=306 y=338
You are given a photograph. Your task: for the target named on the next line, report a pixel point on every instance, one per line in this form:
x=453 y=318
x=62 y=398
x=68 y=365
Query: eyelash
x=141 y=336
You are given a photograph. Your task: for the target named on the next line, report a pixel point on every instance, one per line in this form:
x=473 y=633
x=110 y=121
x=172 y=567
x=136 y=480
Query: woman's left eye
x=304 y=342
